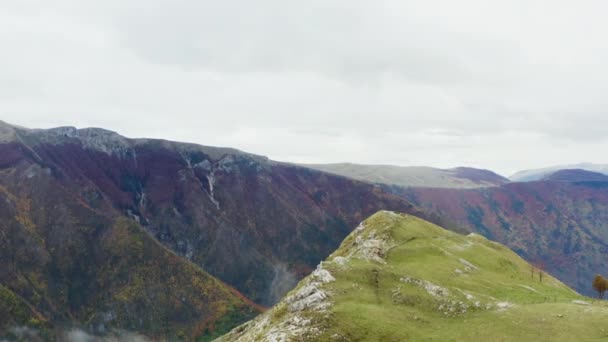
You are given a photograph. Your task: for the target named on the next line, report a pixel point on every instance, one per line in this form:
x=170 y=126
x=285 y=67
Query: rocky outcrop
x=293 y=319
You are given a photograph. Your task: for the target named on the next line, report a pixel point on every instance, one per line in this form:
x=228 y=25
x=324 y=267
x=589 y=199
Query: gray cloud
x=506 y=86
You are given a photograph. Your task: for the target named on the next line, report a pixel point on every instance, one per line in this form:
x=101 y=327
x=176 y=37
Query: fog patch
x=77 y=335
x=22 y=333
x=282 y=281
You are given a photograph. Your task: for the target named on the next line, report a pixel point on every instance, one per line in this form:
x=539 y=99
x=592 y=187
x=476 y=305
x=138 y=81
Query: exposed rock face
x=293 y=319
x=310 y=296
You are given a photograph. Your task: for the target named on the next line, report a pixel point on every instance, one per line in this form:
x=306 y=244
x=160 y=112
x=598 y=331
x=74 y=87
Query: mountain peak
x=111 y=142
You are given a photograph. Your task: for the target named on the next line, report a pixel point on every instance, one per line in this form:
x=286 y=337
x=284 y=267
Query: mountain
x=539 y=174
x=77 y=204
x=66 y=264
x=163 y=238
x=576 y=175
x=416 y=176
x=561 y=226
x=558 y=221
x=400 y=278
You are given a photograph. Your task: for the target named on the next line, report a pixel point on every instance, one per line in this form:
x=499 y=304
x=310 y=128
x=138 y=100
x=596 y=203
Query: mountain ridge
x=397 y=277
x=254 y=224
x=415 y=176
x=105 y=140
x=575 y=175
x=538 y=174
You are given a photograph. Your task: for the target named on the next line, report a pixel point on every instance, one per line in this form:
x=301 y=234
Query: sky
x=503 y=85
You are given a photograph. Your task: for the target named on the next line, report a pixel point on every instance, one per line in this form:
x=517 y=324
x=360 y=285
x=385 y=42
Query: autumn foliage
x=600 y=284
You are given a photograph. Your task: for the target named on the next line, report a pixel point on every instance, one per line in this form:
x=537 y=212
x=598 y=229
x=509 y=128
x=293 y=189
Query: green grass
x=404 y=279
x=371 y=303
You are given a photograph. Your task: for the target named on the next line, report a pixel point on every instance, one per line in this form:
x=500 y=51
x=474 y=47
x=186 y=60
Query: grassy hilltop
x=400 y=278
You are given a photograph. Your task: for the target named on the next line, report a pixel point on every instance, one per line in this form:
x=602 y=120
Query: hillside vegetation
x=66 y=265
x=399 y=278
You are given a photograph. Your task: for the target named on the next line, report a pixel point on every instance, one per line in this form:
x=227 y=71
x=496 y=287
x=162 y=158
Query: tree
x=600 y=284
x=532 y=270
x=538 y=266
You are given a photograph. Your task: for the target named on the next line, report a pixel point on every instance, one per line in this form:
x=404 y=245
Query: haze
x=499 y=85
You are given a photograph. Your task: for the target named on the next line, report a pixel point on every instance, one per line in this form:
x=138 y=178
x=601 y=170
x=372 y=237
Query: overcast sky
x=504 y=85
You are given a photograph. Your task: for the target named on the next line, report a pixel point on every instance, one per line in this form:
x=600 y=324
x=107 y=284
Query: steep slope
x=258 y=225
x=561 y=226
x=65 y=264
x=399 y=278
x=538 y=174
x=416 y=176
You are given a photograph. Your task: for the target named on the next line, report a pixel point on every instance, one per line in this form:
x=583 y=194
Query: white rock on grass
x=467 y=265
x=370 y=247
x=322 y=275
x=430 y=288
x=340 y=260
x=295 y=324
x=502 y=306
x=311 y=295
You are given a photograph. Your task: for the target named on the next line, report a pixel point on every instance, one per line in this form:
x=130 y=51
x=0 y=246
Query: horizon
x=508 y=176
x=391 y=82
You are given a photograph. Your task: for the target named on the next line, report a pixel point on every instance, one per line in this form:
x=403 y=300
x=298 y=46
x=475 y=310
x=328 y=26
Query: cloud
x=507 y=86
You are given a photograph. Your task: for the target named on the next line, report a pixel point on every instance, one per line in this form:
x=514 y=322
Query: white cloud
x=502 y=85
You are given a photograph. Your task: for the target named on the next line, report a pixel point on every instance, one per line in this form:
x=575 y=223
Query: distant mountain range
x=182 y=241
x=459 y=177
x=539 y=174
x=416 y=176
x=576 y=175
x=559 y=220
x=399 y=278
